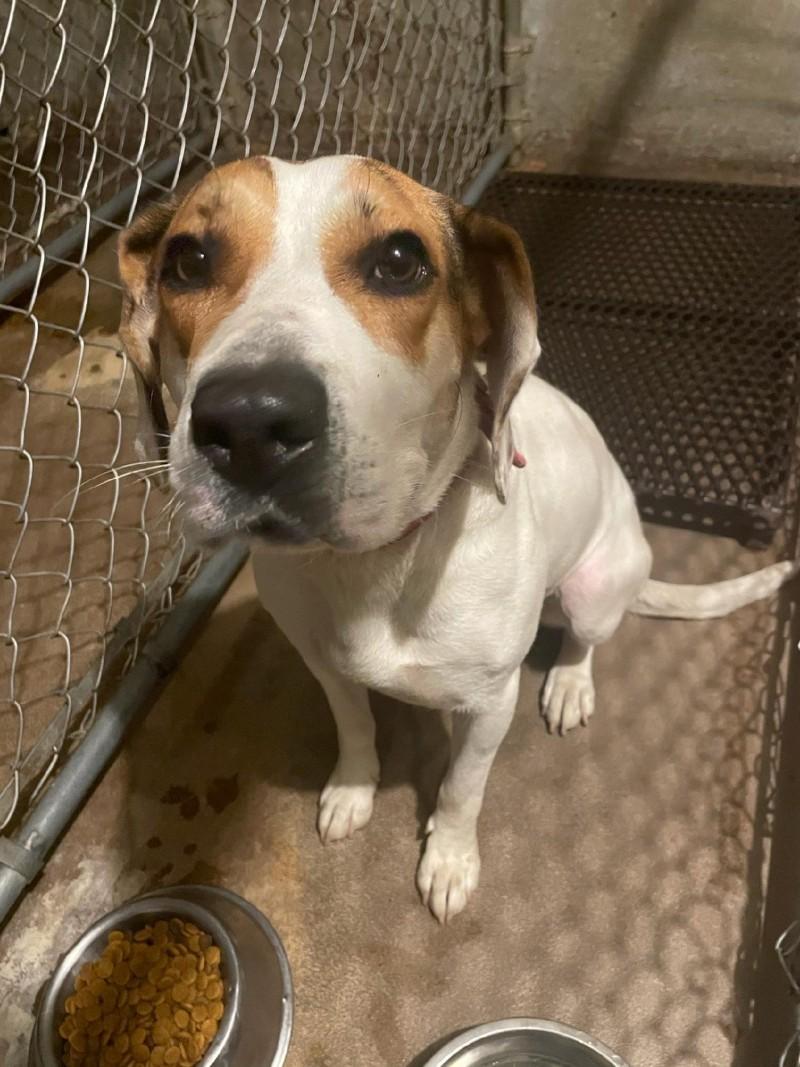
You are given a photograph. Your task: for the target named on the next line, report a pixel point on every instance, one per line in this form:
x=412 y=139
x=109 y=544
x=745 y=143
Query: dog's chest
x=416 y=661
x=424 y=641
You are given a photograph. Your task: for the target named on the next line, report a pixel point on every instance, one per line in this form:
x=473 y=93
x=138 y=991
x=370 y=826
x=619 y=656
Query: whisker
x=125 y=467
x=419 y=418
x=140 y=476
x=140 y=464
x=475 y=485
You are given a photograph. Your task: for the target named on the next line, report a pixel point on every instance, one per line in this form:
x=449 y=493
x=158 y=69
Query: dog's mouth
x=278 y=528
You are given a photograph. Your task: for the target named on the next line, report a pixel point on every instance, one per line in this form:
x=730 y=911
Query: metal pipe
x=492 y=166
x=31 y=272
x=517 y=47
x=62 y=800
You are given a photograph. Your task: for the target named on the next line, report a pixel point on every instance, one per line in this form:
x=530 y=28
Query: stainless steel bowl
x=524 y=1043
x=257 y=1024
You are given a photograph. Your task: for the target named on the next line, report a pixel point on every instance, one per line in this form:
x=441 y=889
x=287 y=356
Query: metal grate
x=102 y=104
x=670 y=312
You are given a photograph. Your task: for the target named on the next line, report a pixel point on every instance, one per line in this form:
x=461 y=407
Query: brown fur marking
x=237 y=204
x=494 y=258
x=383 y=201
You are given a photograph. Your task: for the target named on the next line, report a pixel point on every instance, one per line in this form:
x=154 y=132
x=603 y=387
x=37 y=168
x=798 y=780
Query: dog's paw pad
x=343 y=809
x=447 y=876
x=568 y=699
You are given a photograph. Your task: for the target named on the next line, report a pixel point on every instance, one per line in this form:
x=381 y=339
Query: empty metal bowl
x=524 y=1043
x=256 y=1026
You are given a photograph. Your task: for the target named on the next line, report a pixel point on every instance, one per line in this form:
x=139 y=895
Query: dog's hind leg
x=568 y=694
x=594 y=599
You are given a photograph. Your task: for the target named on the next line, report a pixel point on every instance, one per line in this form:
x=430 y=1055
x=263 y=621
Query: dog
x=350 y=355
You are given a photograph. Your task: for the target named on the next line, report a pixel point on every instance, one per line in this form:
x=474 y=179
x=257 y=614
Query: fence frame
x=24 y=853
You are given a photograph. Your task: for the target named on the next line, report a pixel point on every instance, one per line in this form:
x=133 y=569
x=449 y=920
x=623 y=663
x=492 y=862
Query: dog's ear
x=138 y=248
x=501 y=322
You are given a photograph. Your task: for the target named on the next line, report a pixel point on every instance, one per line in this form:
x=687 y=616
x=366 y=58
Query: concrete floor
x=623 y=877
x=624 y=867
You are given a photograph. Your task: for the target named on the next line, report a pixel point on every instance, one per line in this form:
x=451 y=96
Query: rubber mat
x=671 y=312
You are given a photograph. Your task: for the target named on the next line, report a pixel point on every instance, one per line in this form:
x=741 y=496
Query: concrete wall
x=679 y=88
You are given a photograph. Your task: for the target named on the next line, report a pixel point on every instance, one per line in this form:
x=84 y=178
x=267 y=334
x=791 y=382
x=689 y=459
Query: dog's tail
x=664 y=600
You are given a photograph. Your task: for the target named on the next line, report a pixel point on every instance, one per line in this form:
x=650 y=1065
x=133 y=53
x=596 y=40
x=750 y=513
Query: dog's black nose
x=257 y=424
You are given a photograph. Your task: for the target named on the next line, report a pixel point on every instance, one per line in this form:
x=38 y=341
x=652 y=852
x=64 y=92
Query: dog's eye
x=188 y=263
x=398 y=264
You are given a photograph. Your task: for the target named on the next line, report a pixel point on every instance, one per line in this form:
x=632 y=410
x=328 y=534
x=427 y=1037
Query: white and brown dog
x=319 y=326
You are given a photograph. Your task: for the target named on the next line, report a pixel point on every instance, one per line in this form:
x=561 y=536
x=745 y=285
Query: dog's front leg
x=450 y=865
x=345 y=804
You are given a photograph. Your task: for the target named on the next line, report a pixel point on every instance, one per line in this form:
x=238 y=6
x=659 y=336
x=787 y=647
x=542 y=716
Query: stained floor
x=623 y=867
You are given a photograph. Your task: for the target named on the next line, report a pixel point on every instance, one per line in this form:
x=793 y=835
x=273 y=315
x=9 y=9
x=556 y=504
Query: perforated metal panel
x=669 y=311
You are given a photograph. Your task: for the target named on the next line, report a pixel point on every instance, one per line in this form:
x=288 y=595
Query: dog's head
x=317 y=325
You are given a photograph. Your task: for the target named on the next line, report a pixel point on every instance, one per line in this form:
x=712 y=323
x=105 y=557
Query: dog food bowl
x=256 y=1026
x=524 y=1043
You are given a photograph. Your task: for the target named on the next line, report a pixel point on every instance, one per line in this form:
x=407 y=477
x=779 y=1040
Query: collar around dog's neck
x=485 y=422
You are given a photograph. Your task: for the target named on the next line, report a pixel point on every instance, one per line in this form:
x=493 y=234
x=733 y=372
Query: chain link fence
x=788 y=950
x=105 y=104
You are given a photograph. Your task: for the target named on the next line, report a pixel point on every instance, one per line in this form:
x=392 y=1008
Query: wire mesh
x=788 y=951
x=669 y=311
x=103 y=105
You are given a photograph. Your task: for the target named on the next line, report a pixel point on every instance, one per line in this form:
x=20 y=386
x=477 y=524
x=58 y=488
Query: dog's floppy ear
x=501 y=322
x=138 y=246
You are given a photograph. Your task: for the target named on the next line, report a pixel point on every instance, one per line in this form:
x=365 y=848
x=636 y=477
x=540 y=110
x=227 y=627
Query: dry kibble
x=208 y=1028
x=214 y=990
x=154 y=998
x=180 y=992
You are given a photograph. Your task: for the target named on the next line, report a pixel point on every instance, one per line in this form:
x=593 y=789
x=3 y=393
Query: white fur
x=444 y=616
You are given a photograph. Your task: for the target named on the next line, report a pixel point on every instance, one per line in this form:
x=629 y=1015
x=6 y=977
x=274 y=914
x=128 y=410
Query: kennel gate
x=103 y=106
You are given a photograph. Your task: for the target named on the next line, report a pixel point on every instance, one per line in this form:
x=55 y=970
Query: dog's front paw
x=448 y=872
x=344 y=807
x=568 y=698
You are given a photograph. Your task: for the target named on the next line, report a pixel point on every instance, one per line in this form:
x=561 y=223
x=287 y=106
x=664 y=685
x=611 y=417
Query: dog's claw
x=447 y=875
x=567 y=699
x=343 y=809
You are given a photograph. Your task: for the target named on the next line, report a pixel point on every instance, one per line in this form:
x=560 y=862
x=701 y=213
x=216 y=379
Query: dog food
x=155 y=996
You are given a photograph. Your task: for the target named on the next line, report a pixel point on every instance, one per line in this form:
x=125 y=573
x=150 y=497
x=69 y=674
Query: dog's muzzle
x=264 y=430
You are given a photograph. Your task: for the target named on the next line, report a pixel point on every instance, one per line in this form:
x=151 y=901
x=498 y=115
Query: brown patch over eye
x=384 y=253
x=220 y=236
